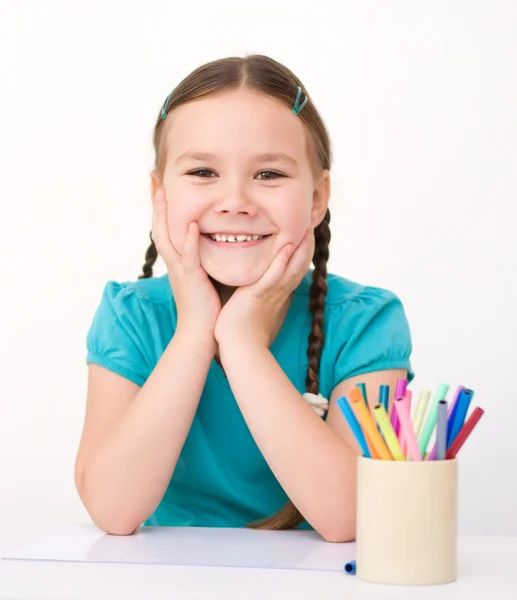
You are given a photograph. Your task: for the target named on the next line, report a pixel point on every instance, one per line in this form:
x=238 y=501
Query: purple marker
x=450 y=413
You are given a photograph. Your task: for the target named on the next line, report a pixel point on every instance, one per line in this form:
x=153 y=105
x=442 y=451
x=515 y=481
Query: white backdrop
x=420 y=100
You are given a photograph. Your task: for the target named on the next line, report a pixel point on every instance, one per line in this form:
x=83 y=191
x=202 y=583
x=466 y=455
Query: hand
x=197 y=301
x=251 y=315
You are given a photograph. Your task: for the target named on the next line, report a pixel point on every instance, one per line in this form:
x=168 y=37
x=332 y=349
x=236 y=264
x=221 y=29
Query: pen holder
x=406 y=521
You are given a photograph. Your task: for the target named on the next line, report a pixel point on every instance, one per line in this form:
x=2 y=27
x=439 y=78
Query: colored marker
x=402 y=407
x=409 y=396
x=353 y=423
x=441 y=431
x=459 y=414
x=350 y=567
x=402 y=438
x=356 y=395
x=387 y=431
x=450 y=415
x=384 y=397
x=400 y=387
x=400 y=390
x=365 y=420
x=430 y=422
x=421 y=408
x=464 y=432
x=362 y=387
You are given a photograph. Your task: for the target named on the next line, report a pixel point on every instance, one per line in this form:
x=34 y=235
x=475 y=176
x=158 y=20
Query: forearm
x=127 y=473
x=314 y=466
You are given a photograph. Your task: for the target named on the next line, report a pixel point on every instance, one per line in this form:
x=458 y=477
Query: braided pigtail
x=150 y=258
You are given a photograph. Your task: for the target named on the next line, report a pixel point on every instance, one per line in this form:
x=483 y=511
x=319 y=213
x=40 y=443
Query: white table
x=487 y=571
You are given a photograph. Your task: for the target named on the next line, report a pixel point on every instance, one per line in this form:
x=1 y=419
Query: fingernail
x=289 y=250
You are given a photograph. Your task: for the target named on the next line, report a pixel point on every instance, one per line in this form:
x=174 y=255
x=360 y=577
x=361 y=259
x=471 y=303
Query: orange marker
x=371 y=432
x=371 y=448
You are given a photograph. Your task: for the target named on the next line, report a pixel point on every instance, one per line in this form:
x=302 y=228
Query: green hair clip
x=298 y=107
x=164 y=108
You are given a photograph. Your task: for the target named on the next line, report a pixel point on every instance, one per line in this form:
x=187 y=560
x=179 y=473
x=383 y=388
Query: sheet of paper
x=196 y=546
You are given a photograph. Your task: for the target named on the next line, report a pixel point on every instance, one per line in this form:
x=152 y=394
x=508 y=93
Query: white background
x=420 y=101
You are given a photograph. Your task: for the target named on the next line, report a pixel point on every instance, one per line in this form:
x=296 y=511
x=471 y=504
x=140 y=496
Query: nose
x=235 y=200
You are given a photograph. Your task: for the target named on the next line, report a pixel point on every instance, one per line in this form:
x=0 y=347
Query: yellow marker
x=421 y=409
x=388 y=432
x=369 y=429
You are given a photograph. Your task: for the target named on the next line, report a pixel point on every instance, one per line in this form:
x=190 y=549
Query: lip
x=225 y=232
x=239 y=244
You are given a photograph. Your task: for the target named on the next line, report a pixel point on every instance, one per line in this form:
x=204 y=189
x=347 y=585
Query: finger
x=160 y=232
x=191 y=248
x=275 y=270
x=302 y=257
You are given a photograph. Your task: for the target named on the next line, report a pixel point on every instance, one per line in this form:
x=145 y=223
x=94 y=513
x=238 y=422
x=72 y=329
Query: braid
x=318 y=293
x=289 y=517
x=150 y=258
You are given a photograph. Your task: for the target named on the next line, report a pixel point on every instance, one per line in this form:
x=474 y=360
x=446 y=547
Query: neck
x=225 y=292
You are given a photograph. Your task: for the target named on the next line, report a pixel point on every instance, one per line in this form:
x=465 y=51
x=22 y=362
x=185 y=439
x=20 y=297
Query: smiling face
x=239 y=164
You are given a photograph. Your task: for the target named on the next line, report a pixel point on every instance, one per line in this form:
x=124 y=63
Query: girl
x=207 y=386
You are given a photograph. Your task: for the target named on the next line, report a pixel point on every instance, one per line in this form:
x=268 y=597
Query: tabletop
x=487 y=567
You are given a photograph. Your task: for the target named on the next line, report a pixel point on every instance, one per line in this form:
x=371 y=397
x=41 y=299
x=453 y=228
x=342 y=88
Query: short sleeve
x=117 y=336
x=370 y=333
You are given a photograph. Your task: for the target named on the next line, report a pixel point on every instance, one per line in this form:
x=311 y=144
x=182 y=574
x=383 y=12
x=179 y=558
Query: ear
x=320 y=198
x=156 y=183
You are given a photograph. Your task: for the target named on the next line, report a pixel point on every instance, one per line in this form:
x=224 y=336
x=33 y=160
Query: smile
x=241 y=240
x=234 y=238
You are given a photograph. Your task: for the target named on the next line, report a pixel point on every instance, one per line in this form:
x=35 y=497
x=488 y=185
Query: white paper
x=193 y=546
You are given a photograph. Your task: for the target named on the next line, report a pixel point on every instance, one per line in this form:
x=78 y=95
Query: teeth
x=235 y=238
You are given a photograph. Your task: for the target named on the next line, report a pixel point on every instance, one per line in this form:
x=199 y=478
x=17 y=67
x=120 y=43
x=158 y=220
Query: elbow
x=109 y=521
x=338 y=535
x=338 y=531
x=114 y=524
x=115 y=528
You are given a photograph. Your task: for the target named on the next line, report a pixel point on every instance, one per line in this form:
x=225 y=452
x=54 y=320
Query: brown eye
x=199 y=171
x=270 y=175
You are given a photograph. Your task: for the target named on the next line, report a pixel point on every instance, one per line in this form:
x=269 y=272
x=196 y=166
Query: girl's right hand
x=197 y=300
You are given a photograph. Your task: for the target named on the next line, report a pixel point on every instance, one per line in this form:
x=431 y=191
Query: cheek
x=177 y=222
x=181 y=210
x=294 y=217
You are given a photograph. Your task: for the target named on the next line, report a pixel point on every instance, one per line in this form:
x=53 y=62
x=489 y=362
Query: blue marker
x=459 y=412
x=384 y=396
x=350 y=567
x=353 y=423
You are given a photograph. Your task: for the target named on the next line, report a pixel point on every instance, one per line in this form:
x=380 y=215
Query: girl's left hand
x=251 y=315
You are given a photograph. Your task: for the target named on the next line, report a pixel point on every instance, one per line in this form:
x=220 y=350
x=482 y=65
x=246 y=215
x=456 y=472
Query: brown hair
x=274 y=79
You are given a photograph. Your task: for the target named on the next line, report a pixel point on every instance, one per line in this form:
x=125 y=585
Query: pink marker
x=402 y=408
x=400 y=390
x=402 y=439
x=432 y=455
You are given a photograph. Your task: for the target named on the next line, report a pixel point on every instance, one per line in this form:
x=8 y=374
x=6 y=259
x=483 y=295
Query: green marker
x=430 y=423
x=387 y=431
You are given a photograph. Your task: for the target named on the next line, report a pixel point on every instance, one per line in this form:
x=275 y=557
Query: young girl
x=207 y=386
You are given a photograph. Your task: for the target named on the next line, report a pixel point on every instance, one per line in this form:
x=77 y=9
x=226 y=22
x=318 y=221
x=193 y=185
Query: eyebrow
x=279 y=157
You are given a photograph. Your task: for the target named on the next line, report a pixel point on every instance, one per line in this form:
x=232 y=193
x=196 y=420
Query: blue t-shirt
x=221 y=478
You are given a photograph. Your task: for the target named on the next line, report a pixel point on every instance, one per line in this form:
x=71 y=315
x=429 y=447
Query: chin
x=236 y=277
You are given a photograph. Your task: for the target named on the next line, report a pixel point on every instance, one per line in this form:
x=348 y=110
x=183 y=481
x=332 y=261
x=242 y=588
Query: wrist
x=240 y=346
x=191 y=335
